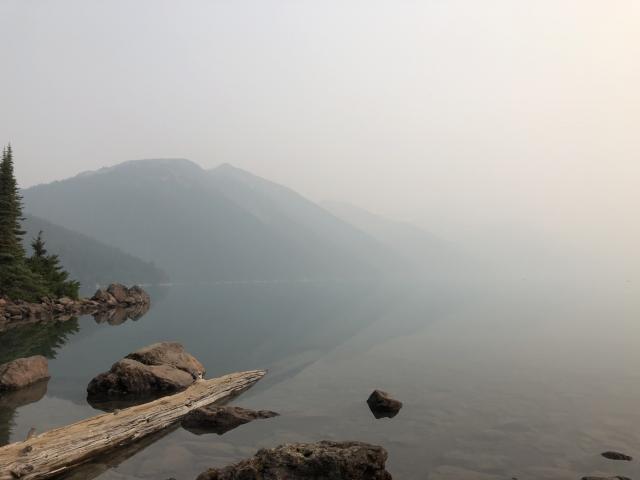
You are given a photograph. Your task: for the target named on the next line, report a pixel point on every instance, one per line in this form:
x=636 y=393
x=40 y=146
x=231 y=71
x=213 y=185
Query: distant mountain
x=418 y=247
x=282 y=208
x=88 y=260
x=204 y=225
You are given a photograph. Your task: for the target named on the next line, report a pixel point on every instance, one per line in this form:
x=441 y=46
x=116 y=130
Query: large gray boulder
x=158 y=369
x=169 y=353
x=221 y=419
x=131 y=377
x=23 y=372
x=319 y=461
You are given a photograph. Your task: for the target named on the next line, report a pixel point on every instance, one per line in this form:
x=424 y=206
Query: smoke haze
x=467 y=118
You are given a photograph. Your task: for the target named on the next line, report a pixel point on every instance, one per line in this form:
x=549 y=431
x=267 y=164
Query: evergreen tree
x=22 y=278
x=49 y=268
x=16 y=280
x=11 y=249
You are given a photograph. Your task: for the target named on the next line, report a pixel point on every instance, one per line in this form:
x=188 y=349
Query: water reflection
x=47 y=337
x=95 y=468
x=10 y=401
x=41 y=338
x=506 y=380
x=117 y=316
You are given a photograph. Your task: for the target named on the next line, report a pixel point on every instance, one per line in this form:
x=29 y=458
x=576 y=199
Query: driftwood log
x=57 y=451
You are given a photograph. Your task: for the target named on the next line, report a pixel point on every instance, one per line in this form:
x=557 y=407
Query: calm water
x=501 y=379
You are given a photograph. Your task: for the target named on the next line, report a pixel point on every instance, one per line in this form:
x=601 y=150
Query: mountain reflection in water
x=498 y=379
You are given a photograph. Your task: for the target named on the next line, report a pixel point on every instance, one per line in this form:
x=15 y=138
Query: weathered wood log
x=98 y=466
x=57 y=451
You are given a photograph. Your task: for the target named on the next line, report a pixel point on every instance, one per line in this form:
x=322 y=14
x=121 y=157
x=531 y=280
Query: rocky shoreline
x=115 y=296
x=164 y=368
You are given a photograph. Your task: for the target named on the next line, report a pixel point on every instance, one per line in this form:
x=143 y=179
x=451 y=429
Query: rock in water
x=158 y=369
x=383 y=405
x=118 y=291
x=131 y=377
x=215 y=419
x=617 y=456
x=23 y=372
x=118 y=294
x=102 y=296
x=319 y=461
x=169 y=353
x=617 y=477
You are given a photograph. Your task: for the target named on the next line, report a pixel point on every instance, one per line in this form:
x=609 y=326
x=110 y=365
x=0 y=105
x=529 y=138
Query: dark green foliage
x=44 y=338
x=18 y=282
x=21 y=278
x=10 y=211
x=91 y=261
x=48 y=267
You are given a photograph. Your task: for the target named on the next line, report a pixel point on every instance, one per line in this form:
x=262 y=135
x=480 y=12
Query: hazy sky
x=450 y=113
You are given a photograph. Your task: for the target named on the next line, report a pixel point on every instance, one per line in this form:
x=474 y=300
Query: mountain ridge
x=197 y=224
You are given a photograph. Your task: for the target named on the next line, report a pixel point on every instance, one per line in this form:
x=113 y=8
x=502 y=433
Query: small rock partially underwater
x=221 y=419
x=158 y=369
x=617 y=477
x=617 y=456
x=322 y=460
x=23 y=372
x=383 y=405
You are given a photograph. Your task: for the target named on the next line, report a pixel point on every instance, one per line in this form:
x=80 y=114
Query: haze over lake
x=521 y=378
x=434 y=199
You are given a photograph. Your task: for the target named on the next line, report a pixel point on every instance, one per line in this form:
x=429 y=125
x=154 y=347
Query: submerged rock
x=617 y=456
x=383 y=405
x=322 y=460
x=158 y=369
x=221 y=419
x=617 y=477
x=23 y=372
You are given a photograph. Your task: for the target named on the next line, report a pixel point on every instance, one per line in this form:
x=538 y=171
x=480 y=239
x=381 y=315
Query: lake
x=500 y=377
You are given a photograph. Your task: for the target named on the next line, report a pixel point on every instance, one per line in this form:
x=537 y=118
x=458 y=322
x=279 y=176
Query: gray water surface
x=499 y=379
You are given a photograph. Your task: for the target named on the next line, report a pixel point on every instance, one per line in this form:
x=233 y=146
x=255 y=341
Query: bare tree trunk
x=57 y=451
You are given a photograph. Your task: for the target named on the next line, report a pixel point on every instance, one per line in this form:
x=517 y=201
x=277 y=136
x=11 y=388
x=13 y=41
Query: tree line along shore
x=22 y=277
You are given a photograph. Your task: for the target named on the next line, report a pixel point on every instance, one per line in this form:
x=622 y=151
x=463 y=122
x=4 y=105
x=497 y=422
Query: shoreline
x=115 y=296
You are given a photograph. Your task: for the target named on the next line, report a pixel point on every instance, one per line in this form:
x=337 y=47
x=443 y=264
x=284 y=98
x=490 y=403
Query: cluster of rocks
x=117 y=294
x=113 y=297
x=159 y=369
x=352 y=460
x=321 y=460
x=164 y=368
